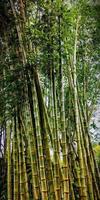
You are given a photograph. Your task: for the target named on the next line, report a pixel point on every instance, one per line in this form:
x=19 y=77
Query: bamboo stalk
x=33 y=158
x=9 y=181
x=77 y=121
x=43 y=182
x=15 y=162
x=44 y=131
x=24 y=193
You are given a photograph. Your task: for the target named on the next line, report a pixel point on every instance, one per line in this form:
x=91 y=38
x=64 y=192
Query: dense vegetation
x=49 y=86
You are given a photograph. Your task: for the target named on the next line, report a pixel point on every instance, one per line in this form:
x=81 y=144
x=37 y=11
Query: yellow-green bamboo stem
x=77 y=121
x=56 y=145
x=64 y=139
x=44 y=189
x=86 y=142
x=33 y=158
x=44 y=131
x=24 y=193
x=88 y=173
x=23 y=53
x=9 y=182
x=15 y=162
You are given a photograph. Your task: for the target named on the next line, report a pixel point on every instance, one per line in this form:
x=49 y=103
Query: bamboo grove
x=48 y=90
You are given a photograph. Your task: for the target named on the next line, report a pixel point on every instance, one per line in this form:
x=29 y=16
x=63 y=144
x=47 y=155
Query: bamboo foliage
x=46 y=145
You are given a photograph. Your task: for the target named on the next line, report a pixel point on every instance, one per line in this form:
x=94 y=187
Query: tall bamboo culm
x=9 y=166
